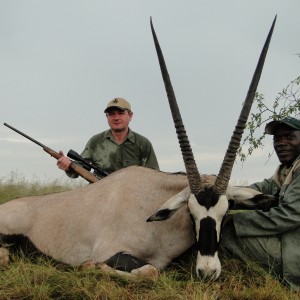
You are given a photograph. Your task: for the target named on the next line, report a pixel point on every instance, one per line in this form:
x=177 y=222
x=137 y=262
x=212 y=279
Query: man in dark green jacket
x=272 y=237
x=117 y=147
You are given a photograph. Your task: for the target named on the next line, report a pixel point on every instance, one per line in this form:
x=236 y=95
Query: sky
x=62 y=61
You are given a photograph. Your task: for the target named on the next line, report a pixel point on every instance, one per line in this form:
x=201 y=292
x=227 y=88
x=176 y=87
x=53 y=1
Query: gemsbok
x=110 y=223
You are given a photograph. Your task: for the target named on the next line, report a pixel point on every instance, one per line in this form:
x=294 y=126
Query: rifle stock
x=73 y=166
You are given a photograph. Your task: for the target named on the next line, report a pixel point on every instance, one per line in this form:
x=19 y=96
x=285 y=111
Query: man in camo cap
x=272 y=237
x=119 y=146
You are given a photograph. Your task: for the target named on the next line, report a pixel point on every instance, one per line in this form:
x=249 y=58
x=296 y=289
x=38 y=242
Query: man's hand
x=63 y=162
x=228 y=219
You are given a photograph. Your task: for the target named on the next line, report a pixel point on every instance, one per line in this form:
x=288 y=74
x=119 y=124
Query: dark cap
x=288 y=121
x=120 y=103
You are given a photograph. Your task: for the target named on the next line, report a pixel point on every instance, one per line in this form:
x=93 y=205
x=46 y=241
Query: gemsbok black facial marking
x=207 y=198
x=207 y=243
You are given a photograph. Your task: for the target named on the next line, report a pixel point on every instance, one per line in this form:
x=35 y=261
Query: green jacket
x=282 y=220
x=110 y=156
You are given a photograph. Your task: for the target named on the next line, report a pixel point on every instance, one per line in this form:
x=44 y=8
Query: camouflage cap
x=289 y=121
x=120 y=103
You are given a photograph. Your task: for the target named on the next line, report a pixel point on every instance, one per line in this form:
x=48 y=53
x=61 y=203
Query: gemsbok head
x=207 y=205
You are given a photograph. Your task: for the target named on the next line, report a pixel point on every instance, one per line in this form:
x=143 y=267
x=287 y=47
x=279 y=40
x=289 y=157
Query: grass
x=15 y=186
x=39 y=277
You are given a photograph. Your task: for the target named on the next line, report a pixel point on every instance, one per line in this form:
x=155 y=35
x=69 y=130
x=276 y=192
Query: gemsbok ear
x=171 y=206
x=161 y=215
x=247 y=198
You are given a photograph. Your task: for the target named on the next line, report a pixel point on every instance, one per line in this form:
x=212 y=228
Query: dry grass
x=15 y=186
x=39 y=277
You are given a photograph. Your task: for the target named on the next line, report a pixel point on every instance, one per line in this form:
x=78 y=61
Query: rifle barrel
x=25 y=135
x=77 y=168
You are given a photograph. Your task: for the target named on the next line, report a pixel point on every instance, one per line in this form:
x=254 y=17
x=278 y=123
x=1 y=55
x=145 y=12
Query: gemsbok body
x=112 y=221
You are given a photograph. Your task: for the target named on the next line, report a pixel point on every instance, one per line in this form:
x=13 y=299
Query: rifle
x=86 y=164
x=73 y=166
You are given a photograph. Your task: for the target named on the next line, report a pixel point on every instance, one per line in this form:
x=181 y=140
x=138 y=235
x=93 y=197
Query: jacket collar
x=283 y=175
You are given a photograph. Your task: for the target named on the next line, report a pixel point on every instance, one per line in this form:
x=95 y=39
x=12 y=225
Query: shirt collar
x=130 y=136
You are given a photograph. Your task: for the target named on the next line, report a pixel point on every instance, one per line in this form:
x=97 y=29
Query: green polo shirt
x=104 y=151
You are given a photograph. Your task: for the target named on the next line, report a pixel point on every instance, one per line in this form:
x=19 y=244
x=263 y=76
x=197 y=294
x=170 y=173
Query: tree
x=287 y=103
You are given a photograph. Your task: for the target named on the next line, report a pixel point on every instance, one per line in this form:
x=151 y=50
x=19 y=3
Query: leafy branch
x=287 y=103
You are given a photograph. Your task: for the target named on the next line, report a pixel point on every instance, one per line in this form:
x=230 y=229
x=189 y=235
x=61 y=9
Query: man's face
x=118 y=120
x=287 y=144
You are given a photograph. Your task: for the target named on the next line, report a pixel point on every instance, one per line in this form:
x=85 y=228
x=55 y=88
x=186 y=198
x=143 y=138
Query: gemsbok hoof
x=4 y=256
x=147 y=271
